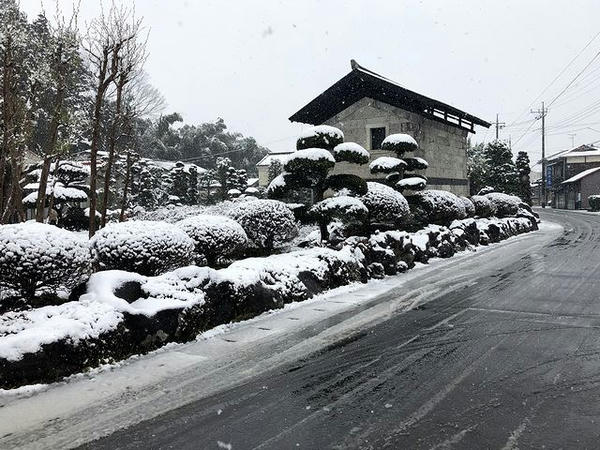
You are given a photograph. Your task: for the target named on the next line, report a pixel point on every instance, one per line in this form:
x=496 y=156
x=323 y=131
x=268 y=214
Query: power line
x=575 y=79
x=558 y=76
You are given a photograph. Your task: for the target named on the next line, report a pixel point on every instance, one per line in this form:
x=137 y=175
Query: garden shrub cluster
x=594 y=201
x=122 y=313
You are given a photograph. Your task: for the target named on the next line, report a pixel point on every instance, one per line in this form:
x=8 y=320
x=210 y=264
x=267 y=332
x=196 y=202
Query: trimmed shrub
x=351 y=152
x=387 y=164
x=144 y=247
x=346 y=182
x=217 y=239
x=399 y=143
x=594 y=201
x=306 y=168
x=321 y=136
x=506 y=205
x=386 y=206
x=267 y=223
x=437 y=207
x=469 y=206
x=415 y=163
x=36 y=256
x=483 y=206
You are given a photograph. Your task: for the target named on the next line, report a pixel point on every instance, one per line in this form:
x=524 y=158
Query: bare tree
x=107 y=36
x=133 y=57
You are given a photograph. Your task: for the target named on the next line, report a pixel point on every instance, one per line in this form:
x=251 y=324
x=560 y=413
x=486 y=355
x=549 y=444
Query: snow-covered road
x=89 y=407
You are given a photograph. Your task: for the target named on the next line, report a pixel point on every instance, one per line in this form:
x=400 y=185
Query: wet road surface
x=510 y=361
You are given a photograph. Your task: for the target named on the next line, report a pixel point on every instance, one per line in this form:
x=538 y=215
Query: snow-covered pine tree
x=275 y=169
x=501 y=176
x=401 y=169
x=318 y=151
x=523 y=171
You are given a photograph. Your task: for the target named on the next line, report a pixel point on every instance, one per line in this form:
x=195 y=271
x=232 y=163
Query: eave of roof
x=581 y=175
x=362 y=82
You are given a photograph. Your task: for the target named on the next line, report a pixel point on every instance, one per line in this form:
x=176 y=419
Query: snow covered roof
x=362 y=82
x=582 y=150
x=266 y=161
x=581 y=175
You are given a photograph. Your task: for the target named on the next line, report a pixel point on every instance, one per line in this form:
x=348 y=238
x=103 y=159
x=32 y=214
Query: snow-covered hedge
x=216 y=238
x=483 y=206
x=144 y=247
x=351 y=152
x=594 y=201
x=124 y=313
x=469 y=206
x=302 y=160
x=386 y=206
x=387 y=164
x=506 y=205
x=321 y=136
x=412 y=183
x=436 y=207
x=36 y=256
x=267 y=223
x=348 y=183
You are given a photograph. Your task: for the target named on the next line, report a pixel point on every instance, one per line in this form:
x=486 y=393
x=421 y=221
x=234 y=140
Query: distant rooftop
x=362 y=82
x=581 y=175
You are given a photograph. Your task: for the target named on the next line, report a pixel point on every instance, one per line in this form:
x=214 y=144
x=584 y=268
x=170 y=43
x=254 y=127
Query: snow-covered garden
x=68 y=304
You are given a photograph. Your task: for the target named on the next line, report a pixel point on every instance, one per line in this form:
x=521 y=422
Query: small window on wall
x=377 y=137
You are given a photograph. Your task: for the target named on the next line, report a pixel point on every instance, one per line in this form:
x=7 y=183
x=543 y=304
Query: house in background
x=263 y=165
x=571 y=175
x=367 y=107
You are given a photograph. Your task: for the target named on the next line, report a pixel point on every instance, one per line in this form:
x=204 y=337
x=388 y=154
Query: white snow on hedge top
x=349 y=205
x=386 y=205
x=501 y=197
x=234 y=192
x=386 y=164
x=171 y=290
x=61 y=193
x=351 y=147
x=121 y=233
x=322 y=129
x=26 y=332
x=313 y=154
x=399 y=138
x=411 y=182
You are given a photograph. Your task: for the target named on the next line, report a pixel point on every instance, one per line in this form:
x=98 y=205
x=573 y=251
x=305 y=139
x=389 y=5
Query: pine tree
x=477 y=168
x=501 y=174
x=275 y=168
x=523 y=171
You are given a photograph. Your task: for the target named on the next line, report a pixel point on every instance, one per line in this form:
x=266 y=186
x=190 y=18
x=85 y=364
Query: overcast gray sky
x=254 y=63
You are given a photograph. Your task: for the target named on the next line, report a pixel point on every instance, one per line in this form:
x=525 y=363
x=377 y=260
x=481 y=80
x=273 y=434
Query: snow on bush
x=349 y=210
x=35 y=256
x=346 y=183
x=385 y=205
x=26 y=332
x=399 y=143
x=469 y=206
x=216 y=238
x=311 y=154
x=321 y=136
x=412 y=183
x=267 y=223
x=506 y=205
x=387 y=164
x=483 y=206
x=415 y=163
x=437 y=207
x=594 y=201
x=144 y=247
x=351 y=152
x=61 y=194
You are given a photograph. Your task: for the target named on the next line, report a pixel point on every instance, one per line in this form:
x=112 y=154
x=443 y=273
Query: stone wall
x=443 y=146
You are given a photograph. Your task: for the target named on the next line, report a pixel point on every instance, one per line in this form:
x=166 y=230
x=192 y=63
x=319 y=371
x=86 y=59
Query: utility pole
x=541 y=114
x=572 y=136
x=499 y=125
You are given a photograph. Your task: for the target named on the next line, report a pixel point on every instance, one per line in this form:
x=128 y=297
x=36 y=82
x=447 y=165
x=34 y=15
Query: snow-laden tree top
x=387 y=164
x=351 y=152
x=414 y=183
x=61 y=194
x=343 y=205
x=313 y=154
x=322 y=130
x=399 y=143
x=321 y=136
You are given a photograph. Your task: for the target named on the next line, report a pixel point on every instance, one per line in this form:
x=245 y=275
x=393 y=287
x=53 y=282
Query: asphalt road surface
x=510 y=361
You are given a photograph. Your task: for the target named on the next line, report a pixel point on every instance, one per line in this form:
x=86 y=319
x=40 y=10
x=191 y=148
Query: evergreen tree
x=501 y=174
x=477 y=167
x=523 y=171
x=275 y=169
